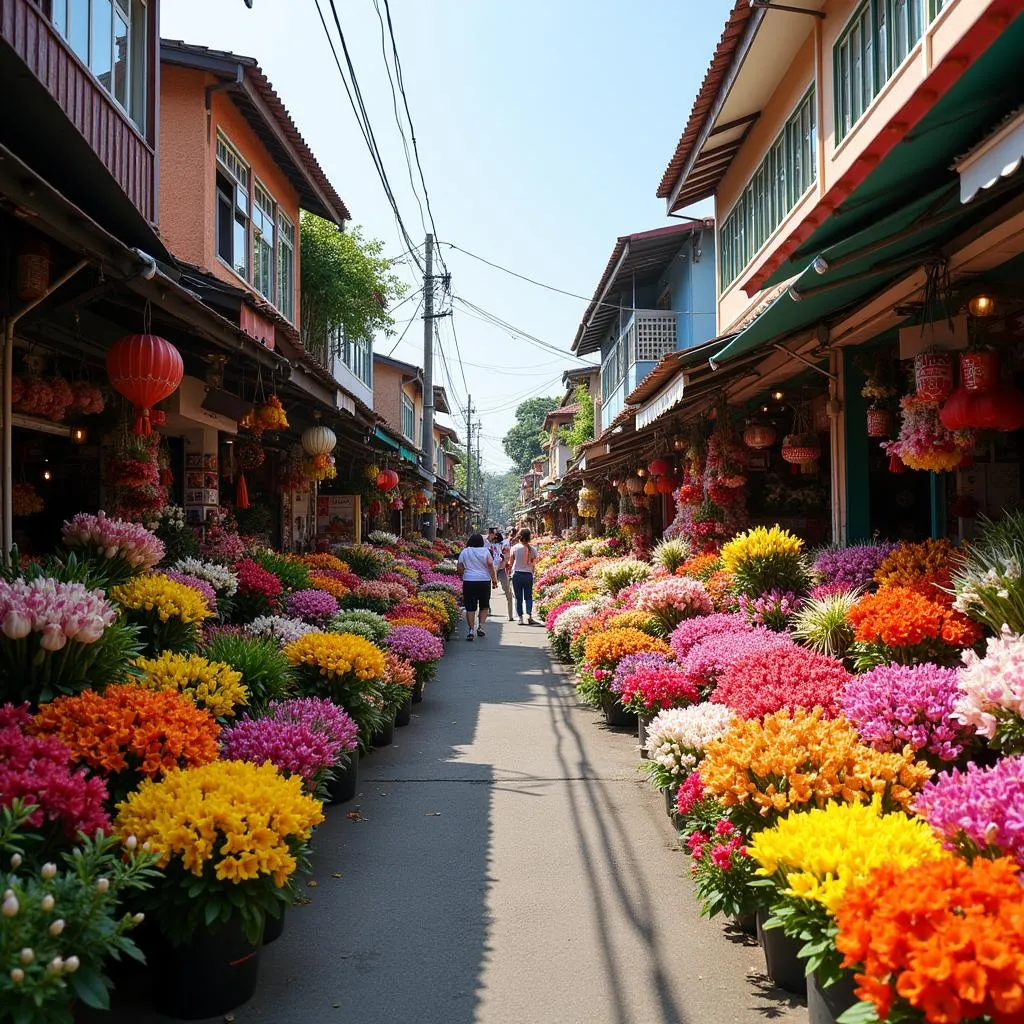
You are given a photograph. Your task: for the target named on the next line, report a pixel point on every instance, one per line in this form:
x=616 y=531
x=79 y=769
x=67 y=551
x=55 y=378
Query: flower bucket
x=642 y=722
x=933 y=376
x=342 y=787
x=273 y=927
x=784 y=967
x=417 y=692
x=616 y=716
x=386 y=736
x=826 y=1006
x=404 y=714
x=879 y=423
x=214 y=972
x=979 y=371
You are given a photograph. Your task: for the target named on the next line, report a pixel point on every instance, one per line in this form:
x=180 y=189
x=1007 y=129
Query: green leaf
x=860 y=1013
x=91 y=987
x=211 y=911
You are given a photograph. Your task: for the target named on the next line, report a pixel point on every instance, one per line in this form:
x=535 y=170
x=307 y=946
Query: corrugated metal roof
x=316 y=193
x=702 y=106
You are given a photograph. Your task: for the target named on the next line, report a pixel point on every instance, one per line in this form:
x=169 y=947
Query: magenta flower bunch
x=415 y=644
x=37 y=770
x=854 y=566
x=629 y=665
x=690 y=632
x=654 y=688
x=320 y=715
x=773 y=609
x=895 y=705
x=673 y=599
x=439 y=581
x=125 y=548
x=980 y=811
x=204 y=589
x=313 y=606
x=294 y=748
x=709 y=658
x=783 y=677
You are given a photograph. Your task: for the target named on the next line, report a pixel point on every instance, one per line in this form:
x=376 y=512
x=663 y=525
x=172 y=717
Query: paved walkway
x=508 y=866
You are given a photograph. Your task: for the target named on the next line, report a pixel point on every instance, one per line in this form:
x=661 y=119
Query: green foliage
x=785 y=571
x=526 y=440
x=375 y=623
x=93 y=929
x=346 y=283
x=366 y=562
x=265 y=670
x=622 y=573
x=989 y=584
x=255 y=520
x=66 y=567
x=592 y=691
x=582 y=429
x=293 y=575
x=823 y=624
x=670 y=554
x=809 y=922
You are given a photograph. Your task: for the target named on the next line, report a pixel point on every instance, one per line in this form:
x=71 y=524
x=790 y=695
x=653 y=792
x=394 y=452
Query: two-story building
x=862 y=158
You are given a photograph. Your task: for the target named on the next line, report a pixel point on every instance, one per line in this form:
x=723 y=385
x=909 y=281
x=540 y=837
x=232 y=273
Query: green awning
x=409 y=456
x=851 y=270
x=380 y=435
x=922 y=160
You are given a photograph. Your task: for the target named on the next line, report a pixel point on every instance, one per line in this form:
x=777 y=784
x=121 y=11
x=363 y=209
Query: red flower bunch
x=37 y=770
x=944 y=937
x=653 y=688
x=255 y=581
x=782 y=679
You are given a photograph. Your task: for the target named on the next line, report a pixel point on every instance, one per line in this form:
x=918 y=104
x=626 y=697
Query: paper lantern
x=660 y=467
x=933 y=375
x=979 y=371
x=634 y=485
x=879 y=423
x=387 y=480
x=665 y=485
x=759 y=435
x=145 y=368
x=801 y=449
x=318 y=440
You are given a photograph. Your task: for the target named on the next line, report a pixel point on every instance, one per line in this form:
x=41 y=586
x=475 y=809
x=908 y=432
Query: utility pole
x=479 y=462
x=427 y=441
x=469 y=453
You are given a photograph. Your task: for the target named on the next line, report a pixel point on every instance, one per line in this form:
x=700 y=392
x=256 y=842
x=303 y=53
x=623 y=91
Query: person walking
x=476 y=570
x=500 y=549
x=523 y=558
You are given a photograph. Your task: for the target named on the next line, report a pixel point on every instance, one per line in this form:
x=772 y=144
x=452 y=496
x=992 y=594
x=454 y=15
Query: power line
x=517 y=332
x=520 y=398
x=415 y=317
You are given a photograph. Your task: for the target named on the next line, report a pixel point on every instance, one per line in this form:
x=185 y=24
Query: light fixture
x=820 y=265
x=778 y=396
x=982 y=305
x=47 y=475
x=229 y=441
x=79 y=435
x=764 y=408
x=679 y=444
x=641 y=472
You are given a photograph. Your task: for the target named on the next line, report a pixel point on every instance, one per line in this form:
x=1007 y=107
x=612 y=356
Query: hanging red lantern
x=387 y=480
x=665 y=485
x=660 y=467
x=956 y=413
x=999 y=409
x=979 y=371
x=375 y=508
x=145 y=369
x=759 y=435
x=241 y=493
x=879 y=423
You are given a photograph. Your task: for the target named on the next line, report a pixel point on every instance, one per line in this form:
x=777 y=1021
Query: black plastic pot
x=826 y=1006
x=642 y=722
x=215 y=972
x=670 y=801
x=386 y=736
x=417 y=693
x=273 y=927
x=617 y=716
x=404 y=714
x=785 y=968
x=342 y=787
x=746 y=923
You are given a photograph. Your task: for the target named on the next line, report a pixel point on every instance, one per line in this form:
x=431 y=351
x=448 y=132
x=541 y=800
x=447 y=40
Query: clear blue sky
x=544 y=129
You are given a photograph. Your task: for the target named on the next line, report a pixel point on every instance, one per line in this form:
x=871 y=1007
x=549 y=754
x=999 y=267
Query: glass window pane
x=102 y=41
x=121 y=59
x=60 y=16
x=241 y=247
x=78 y=28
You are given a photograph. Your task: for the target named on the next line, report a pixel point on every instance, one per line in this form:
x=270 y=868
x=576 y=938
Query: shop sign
x=338 y=517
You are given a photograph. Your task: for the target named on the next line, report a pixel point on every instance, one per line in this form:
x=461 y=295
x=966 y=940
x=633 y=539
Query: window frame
x=408 y=410
x=240 y=216
x=285 y=295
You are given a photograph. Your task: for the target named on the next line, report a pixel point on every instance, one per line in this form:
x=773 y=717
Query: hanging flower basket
x=879 y=423
x=801 y=449
x=250 y=454
x=979 y=370
x=934 y=377
x=759 y=435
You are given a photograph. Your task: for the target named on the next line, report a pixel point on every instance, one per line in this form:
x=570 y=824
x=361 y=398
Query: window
x=285 y=267
x=878 y=38
x=109 y=37
x=263 y=271
x=408 y=417
x=780 y=181
x=232 y=208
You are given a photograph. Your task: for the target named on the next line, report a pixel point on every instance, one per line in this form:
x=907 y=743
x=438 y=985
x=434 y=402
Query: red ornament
x=934 y=376
x=660 y=467
x=387 y=480
x=1001 y=408
x=664 y=485
x=145 y=369
x=979 y=371
x=956 y=413
x=241 y=493
x=896 y=464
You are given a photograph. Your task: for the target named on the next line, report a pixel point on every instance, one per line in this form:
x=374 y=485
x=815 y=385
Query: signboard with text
x=338 y=518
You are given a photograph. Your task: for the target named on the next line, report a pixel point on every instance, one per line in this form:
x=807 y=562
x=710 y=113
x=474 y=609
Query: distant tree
x=581 y=430
x=525 y=441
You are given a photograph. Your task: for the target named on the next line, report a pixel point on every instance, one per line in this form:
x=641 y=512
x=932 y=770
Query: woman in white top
x=523 y=557
x=476 y=570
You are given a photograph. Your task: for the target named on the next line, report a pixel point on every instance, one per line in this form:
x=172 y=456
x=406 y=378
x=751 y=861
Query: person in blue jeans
x=523 y=558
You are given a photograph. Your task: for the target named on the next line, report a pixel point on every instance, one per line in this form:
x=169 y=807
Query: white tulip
x=15 y=860
x=55 y=966
x=103 y=884
x=48 y=870
x=47 y=903
x=17 y=975
x=10 y=906
x=72 y=964
x=26 y=956
x=57 y=927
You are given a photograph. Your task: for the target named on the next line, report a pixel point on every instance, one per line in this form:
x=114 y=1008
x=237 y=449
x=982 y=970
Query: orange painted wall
x=387 y=386
x=188 y=170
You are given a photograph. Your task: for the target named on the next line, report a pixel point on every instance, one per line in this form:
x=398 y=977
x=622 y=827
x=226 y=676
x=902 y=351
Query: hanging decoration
x=634 y=484
x=293 y=476
x=320 y=467
x=386 y=480
x=650 y=488
x=801 y=447
x=25 y=500
x=659 y=467
x=759 y=435
x=270 y=415
x=924 y=443
x=934 y=375
x=32 y=269
x=983 y=401
x=145 y=369
x=879 y=422
x=250 y=454
x=629 y=520
x=587 y=503
x=397 y=504
x=241 y=493
x=371 y=473
x=319 y=440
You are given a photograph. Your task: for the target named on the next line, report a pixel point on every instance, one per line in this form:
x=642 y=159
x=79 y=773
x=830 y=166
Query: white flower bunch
x=220 y=577
x=382 y=537
x=280 y=628
x=676 y=739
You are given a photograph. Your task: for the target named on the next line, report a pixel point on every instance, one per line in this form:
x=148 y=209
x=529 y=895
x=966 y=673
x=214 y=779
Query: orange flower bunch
x=606 y=649
x=400 y=672
x=328 y=584
x=644 y=621
x=944 y=937
x=912 y=627
x=798 y=759
x=131 y=731
x=321 y=560
x=719 y=588
x=925 y=567
x=415 y=619
x=700 y=567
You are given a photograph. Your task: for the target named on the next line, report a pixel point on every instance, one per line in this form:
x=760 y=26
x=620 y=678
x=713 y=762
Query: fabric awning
x=999 y=156
x=664 y=401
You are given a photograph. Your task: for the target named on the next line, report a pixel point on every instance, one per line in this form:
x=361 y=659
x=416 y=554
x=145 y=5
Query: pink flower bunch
x=673 y=599
x=657 y=687
x=255 y=581
x=376 y=591
x=824 y=590
x=784 y=677
x=320 y=715
x=439 y=579
x=980 y=811
x=292 y=747
x=992 y=690
x=722 y=845
x=205 y=590
x=396 y=578
x=894 y=705
x=419 y=564
x=315 y=606
x=709 y=658
x=772 y=609
x=347 y=579
x=549 y=622
x=690 y=632
x=628 y=665
x=689 y=794
x=37 y=770
x=221 y=545
x=414 y=643
x=59 y=611
x=113 y=539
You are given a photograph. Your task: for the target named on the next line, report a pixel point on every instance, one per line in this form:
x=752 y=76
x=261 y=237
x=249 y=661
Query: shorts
x=476 y=593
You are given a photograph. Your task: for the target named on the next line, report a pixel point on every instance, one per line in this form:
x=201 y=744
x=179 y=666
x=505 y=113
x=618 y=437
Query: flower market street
x=503 y=861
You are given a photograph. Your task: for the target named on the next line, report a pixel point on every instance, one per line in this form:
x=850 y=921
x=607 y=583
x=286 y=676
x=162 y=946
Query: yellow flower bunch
x=156 y=593
x=608 y=647
x=798 y=759
x=929 y=560
x=240 y=816
x=338 y=654
x=759 y=542
x=816 y=855
x=321 y=560
x=405 y=570
x=644 y=621
x=211 y=685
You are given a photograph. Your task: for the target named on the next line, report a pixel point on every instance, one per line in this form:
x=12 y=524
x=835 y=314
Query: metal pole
x=427 y=442
x=469 y=459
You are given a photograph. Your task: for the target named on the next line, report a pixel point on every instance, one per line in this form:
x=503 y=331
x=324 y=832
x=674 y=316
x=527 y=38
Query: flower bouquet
x=649 y=689
x=603 y=650
x=260 y=662
x=722 y=869
x=376 y=625
x=924 y=443
x=823 y=622
x=673 y=599
x=988 y=583
x=991 y=697
x=258 y=591
x=418 y=646
x=210 y=685
x=764 y=559
x=280 y=628
x=169 y=614
x=710 y=657
x=200 y=586
x=313 y=606
x=773 y=610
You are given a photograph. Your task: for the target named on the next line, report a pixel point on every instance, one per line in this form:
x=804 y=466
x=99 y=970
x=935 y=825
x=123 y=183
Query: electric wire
x=516 y=332
x=415 y=317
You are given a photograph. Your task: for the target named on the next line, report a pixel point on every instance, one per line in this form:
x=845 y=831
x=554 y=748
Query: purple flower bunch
x=690 y=632
x=855 y=566
x=59 y=611
x=709 y=658
x=313 y=606
x=980 y=811
x=205 y=591
x=894 y=705
x=320 y=715
x=773 y=609
x=439 y=581
x=414 y=643
x=825 y=590
x=294 y=748
x=632 y=663
x=113 y=539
